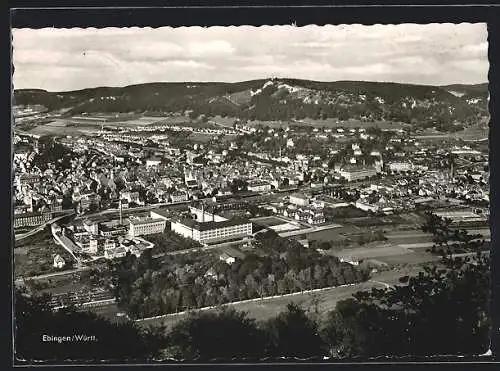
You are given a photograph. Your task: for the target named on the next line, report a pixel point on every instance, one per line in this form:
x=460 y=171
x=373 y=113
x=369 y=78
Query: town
x=175 y=187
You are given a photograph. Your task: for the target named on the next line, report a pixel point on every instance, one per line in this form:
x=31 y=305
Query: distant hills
x=277 y=99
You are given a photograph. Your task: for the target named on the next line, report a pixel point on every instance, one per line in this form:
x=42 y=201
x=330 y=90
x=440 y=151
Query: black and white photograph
x=250 y=194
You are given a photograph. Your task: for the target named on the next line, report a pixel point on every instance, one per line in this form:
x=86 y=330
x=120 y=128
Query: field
x=472 y=134
x=201 y=137
x=370 y=221
x=270 y=221
x=59 y=129
x=37 y=257
x=224 y=121
x=76 y=126
x=277 y=224
x=332 y=235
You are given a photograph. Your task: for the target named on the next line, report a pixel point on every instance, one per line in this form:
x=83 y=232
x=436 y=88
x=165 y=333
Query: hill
x=278 y=99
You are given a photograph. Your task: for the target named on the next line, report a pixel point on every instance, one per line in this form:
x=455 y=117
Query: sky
x=71 y=59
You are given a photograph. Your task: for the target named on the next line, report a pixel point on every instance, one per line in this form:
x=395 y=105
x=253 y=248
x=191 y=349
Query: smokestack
x=120 y=207
x=202 y=213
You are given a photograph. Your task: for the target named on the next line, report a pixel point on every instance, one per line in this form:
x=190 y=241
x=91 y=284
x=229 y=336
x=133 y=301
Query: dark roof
x=352 y=168
x=205 y=226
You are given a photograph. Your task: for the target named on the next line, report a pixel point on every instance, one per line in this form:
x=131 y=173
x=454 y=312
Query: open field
x=110 y=312
x=370 y=221
x=61 y=130
x=201 y=137
x=332 y=235
x=468 y=134
x=277 y=224
x=270 y=221
x=472 y=134
x=375 y=252
x=37 y=257
x=224 y=121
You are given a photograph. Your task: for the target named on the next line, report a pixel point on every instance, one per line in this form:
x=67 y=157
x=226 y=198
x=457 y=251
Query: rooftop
x=205 y=226
x=144 y=221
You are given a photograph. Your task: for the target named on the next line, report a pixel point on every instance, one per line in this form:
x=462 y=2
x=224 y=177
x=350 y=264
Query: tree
x=442 y=310
x=119 y=342
x=293 y=334
x=221 y=335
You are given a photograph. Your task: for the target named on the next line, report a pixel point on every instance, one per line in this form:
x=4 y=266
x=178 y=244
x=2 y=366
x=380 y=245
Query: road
x=40 y=228
x=308 y=230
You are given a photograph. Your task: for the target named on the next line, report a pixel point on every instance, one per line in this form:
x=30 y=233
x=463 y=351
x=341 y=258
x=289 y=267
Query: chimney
x=202 y=213
x=120 y=207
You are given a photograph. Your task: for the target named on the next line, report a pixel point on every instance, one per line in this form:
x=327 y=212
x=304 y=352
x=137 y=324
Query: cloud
x=67 y=59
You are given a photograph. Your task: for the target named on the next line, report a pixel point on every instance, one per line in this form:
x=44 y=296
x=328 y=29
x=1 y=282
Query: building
x=259 y=186
x=59 y=262
x=31 y=219
x=205 y=232
x=87 y=245
x=316 y=219
x=117 y=252
x=227 y=258
x=110 y=244
x=145 y=226
x=22 y=209
x=27 y=179
x=299 y=199
x=400 y=166
x=91 y=226
x=353 y=173
x=131 y=197
x=365 y=206
x=461 y=216
x=153 y=161
x=111 y=231
x=201 y=215
x=178 y=197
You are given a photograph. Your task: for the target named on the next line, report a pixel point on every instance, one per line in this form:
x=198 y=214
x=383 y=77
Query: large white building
x=259 y=186
x=212 y=231
x=145 y=226
x=357 y=173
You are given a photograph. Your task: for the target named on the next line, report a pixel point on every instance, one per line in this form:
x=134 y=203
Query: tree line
x=146 y=287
